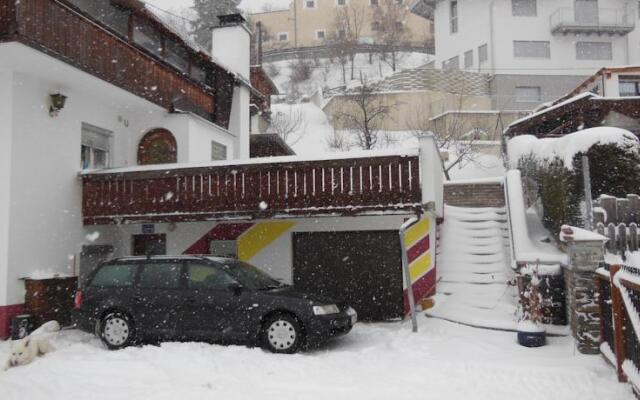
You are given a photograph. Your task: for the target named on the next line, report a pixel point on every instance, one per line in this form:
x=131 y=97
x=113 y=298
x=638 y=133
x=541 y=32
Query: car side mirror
x=236 y=288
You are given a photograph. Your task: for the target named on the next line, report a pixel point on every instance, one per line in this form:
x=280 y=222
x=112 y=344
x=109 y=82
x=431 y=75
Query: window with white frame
x=629 y=85
x=453 y=16
x=321 y=34
x=468 y=59
x=594 y=51
x=524 y=8
x=283 y=36
x=341 y=3
x=531 y=49
x=483 y=53
x=218 y=151
x=95 y=149
x=373 y=2
x=526 y=94
x=309 y=3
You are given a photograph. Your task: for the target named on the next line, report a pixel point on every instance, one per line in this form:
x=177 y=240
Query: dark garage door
x=363 y=268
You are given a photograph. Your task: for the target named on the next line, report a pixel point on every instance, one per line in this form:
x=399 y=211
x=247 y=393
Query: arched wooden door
x=158 y=146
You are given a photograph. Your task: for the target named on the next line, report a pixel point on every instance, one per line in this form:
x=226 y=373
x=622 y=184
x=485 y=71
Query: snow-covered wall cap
x=572 y=234
x=566 y=147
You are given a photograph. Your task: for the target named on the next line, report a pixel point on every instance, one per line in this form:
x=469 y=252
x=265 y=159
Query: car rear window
x=116 y=275
x=161 y=276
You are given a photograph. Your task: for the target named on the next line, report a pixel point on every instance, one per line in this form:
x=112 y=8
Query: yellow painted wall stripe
x=260 y=236
x=416 y=232
x=420 y=266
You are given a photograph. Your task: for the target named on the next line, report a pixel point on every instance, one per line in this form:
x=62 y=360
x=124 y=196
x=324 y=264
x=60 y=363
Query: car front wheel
x=116 y=330
x=282 y=333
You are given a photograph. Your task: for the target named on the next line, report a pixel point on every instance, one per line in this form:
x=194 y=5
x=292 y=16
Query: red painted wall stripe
x=222 y=231
x=6 y=313
x=418 y=249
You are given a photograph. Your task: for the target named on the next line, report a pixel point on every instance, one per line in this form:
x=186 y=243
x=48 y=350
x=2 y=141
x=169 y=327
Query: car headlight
x=326 y=309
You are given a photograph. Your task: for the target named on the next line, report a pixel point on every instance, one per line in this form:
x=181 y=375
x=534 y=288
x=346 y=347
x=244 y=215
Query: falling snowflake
x=263 y=205
x=92 y=237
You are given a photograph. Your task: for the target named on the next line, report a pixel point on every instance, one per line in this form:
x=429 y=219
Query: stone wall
x=583 y=310
x=489 y=194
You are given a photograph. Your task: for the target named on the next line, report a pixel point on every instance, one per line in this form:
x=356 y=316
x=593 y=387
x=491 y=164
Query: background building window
x=523 y=8
x=158 y=147
x=283 y=36
x=593 y=51
x=468 y=59
x=375 y=26
x=453 y=16
x=95 y=150
x=218 y=151
x=373 y=2
x=629 y=86
x=341 y=2
x=528 y=94
x=483 y=53
x=531 y=49
x=320 y=34
x=310 y=4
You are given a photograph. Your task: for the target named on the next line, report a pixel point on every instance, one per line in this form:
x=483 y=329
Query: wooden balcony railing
x=56 y=28
x=257 y=190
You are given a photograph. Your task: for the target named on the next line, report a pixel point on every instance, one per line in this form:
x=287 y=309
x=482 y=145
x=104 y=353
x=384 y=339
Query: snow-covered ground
x=375 y=361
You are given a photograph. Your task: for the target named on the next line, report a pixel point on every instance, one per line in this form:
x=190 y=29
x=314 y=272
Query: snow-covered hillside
x=327 y=73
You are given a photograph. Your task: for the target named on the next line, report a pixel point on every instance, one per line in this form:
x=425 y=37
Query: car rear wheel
x=282 y=333
x=116 y=330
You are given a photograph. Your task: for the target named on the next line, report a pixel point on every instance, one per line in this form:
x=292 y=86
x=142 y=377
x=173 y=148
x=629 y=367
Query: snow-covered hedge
x=552 y=169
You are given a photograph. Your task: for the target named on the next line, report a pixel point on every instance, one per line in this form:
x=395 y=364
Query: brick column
x=585 y=256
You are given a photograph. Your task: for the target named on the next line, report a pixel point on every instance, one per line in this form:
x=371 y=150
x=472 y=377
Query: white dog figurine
x=25 y=351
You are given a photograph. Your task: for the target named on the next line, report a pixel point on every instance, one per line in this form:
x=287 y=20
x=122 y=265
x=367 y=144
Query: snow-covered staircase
x=474 y=268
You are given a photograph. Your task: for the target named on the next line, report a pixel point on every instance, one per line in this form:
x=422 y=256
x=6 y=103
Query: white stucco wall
x=6 y=120
x=475 y=29
x=276 y=258
x=42 y=160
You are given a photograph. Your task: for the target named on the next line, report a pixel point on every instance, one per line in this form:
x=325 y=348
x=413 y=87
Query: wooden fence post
x=618 y=324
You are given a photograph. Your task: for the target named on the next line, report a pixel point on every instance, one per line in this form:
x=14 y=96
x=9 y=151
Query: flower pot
x=531 y=335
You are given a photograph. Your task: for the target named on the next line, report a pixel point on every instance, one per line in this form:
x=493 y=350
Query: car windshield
x=250 y=276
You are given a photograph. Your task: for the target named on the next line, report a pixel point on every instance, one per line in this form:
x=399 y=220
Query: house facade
x=311 y=23
x=610 y=97
x=536 y=50
x=119 y=137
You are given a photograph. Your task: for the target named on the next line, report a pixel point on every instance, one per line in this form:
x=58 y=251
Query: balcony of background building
x=595 y=21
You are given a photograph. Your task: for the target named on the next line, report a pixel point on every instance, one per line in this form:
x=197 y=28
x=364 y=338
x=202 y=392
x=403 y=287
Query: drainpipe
x=405 y=270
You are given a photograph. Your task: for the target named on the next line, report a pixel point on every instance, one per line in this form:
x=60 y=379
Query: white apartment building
x=536 y=50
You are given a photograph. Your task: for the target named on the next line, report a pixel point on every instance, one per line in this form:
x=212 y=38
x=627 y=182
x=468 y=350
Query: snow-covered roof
x=565 y=148
x=554 y=107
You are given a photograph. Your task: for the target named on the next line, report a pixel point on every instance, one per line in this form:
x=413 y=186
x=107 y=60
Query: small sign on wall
x=148 y=229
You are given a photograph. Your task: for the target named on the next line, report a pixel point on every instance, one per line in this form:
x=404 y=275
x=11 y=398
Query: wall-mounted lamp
x=57 y=103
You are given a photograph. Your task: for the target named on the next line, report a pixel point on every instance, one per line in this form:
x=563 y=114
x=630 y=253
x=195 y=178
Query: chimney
x=231 y=44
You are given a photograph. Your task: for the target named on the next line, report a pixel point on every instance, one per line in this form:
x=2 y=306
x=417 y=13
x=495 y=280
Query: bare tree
x=347 y=27
x=289 y=125
x=453 y=134
x=338 y=141
x=363 y=114
x=389 y=19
